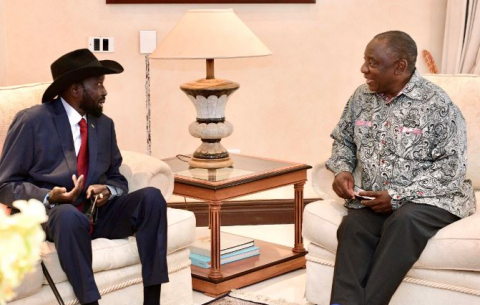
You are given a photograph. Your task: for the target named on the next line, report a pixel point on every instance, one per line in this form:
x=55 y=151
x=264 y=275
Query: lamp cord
x=147 y=94
x=183 y=158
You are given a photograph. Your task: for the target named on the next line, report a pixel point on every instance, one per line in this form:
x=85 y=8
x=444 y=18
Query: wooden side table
x=248 y=175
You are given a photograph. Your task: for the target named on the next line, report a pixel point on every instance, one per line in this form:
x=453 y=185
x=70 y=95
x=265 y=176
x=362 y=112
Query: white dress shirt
x=74 y=118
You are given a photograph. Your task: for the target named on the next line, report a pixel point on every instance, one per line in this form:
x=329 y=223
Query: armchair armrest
x=143 y=170
x=322 y=179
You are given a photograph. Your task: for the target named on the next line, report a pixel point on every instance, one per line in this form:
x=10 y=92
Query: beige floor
x=290 y=286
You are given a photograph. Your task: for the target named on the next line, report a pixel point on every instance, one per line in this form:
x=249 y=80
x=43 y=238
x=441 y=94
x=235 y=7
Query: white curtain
x=461 y=46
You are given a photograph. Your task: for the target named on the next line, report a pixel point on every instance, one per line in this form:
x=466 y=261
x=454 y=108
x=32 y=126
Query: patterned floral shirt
x=414 y=146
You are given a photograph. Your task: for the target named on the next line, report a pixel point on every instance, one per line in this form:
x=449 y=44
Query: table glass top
x=243 y=166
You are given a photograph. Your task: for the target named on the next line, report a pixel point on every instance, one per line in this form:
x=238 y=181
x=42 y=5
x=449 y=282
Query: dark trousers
x=143 y=212
x=375 y=251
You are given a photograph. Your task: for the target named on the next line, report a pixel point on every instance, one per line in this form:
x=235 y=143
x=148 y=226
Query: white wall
x=287 y=104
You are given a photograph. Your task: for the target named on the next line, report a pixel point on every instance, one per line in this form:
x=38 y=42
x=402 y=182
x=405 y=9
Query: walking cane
x=52 y=285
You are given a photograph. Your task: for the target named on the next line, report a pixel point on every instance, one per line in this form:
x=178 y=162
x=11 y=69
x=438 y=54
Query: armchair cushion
x=465 y=93
x=141 y=170
x=15 y=98
x=324 y=216
x=109 y=254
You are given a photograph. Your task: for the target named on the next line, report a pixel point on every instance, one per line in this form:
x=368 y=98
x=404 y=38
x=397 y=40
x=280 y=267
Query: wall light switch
x=148 y=41
x=101 y=44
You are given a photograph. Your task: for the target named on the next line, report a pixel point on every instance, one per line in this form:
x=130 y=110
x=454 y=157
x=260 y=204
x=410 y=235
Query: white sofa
x=115 y=262
x=448 y=271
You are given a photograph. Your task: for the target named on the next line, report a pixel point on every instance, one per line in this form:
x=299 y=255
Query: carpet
x=236 y=297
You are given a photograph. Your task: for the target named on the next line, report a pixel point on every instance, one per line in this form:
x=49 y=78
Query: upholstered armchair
x=115 y=262
x=448 y=271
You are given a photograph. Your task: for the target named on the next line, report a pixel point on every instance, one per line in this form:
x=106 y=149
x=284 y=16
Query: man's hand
x=99 y=190
x=381 y=203
x=4 y=209
x=60 y=194
x=343 y=185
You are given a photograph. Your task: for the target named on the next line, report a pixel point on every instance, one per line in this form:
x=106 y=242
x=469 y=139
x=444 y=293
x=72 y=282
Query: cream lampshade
x=210 y=34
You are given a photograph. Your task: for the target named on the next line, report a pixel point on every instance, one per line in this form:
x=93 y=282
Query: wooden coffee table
x=248 y=175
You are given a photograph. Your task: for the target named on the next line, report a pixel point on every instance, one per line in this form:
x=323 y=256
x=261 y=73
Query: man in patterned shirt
x=403 y=141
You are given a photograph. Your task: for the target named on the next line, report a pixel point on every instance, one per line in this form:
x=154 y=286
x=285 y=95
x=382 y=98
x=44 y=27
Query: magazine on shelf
x=206 y=262
x=228 y=242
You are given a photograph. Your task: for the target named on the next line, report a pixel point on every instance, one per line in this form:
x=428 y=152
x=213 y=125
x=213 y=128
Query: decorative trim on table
x=245 y=212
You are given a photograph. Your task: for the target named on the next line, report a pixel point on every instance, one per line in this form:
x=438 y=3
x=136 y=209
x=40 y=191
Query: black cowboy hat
x=76 y=66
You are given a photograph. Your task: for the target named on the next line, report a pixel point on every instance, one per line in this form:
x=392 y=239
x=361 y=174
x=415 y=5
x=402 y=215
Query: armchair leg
x=52 y=285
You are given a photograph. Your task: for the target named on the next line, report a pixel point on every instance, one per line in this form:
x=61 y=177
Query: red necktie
x=82 y=158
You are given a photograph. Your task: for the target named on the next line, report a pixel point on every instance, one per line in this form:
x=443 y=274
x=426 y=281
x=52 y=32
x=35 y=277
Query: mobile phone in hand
x=357 y=190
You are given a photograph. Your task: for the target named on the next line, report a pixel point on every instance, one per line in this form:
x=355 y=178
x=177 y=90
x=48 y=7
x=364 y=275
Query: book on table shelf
x=206 y=262
x=228 y=242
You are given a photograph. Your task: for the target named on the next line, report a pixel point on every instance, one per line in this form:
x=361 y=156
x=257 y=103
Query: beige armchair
x=448 y=271
x=115 y=262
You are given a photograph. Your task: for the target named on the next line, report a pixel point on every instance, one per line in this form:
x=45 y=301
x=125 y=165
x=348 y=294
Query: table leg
x=298 y=247
x=214 y=213
x=209 y=217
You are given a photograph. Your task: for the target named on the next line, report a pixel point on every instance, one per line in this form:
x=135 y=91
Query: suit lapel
x=92 y=147
x=64 y=132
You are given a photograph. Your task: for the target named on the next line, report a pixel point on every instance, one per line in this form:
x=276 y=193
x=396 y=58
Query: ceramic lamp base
x=210 y=96
x=210 y=163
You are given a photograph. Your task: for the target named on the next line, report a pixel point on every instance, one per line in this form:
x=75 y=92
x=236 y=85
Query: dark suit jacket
x=39 y=154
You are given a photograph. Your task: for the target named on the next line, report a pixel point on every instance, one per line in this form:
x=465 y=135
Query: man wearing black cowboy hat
x=64 y=153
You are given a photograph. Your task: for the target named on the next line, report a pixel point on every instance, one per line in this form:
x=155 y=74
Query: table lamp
x=210 y=34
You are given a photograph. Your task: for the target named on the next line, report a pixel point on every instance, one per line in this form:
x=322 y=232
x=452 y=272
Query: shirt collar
x=411 y=89
x=73 y=116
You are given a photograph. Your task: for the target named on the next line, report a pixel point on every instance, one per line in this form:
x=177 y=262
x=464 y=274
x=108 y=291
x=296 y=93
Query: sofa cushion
x=114 y=254
x=15 y=98
x=464 y=90
x=140 y=170
x=455 y=247
x=319 y=254
x=181 y=229
x=111 y=282
x=31 y=283
x=454 y=278
x=320 y=223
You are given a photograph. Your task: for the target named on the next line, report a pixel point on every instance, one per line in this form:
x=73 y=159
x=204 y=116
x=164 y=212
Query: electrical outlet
x=101 y=44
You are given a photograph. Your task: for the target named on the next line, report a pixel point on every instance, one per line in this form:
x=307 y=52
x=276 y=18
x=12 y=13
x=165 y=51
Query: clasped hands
x=343 y=185
x=61 y=195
